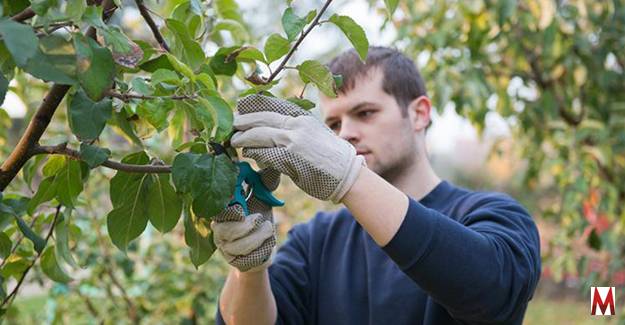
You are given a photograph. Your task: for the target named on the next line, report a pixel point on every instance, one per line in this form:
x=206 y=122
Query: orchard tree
x=555 y=70
x=158 y=112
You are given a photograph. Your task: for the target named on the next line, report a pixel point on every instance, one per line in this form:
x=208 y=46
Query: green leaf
x=119 y=43
x=86 y=117
x=5 y=245
x=206 y=82
x=51 y=267
x=315 y=72
x=53 y=165
x=4 y=86
x=55 y=60
x=129 y=218
x=70 y=182
x=121 y=184
x=141 y=86
x=210 y=180
x=292 y=24
x=37 y=241
x=302 y=102
x=185 y=47
x=179 y=66
x=190 y=16
x=14 y=267
x=20 y=40
x=165 y=76
x=354 y=33
x=45 y=192
x=121 y=120
x=311 y=15
x=137 y=198
x=161 y=62
x=176 y=128
x=61 y=235
x=221 y=113
x=219 y=63
x=198 y=237
x=391 y=5
x=155 y=111
x=228 y=9
x=276 y=47
x=165 y=205
x=96 y=68
x=93 y=155
x=251 y=53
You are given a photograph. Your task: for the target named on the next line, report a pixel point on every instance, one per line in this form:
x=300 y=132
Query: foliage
x=154 y=110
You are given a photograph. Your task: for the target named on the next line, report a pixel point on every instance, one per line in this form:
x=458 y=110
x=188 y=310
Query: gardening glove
x=280 y=135
x=246 y=242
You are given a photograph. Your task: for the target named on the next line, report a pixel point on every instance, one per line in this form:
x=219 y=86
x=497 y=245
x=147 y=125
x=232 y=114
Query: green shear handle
x=256 y=187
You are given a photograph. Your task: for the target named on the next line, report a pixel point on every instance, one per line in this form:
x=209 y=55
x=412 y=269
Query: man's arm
x=247 y=298
x=484 y=270
x=286 y=283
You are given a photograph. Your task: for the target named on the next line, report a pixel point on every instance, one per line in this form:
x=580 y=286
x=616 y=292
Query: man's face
x=371 y=120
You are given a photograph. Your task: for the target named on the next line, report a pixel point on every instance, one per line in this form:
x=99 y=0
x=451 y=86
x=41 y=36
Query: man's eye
x=365 y=113
x=335 y=126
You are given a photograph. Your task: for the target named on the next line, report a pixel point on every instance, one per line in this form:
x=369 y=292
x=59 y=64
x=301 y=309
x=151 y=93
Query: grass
x=544 y=311
x=540 y=311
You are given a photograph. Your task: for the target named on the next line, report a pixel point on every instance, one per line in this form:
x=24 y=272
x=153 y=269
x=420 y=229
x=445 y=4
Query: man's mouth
x=362 y=152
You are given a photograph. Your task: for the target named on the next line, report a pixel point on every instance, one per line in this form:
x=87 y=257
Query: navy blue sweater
x=459 y=257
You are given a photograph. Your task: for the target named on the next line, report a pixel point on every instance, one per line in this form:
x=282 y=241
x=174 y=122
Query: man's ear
x=419 y=112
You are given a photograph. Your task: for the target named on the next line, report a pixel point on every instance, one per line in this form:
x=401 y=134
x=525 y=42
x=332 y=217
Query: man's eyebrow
x=354 y=108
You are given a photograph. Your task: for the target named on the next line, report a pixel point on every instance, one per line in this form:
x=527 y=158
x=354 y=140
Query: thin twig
x=62 y=149
x=21 y=280
x=298 y=42
x=128 y=96
x=23 y=15
x=106 y=255
x=90 y=307
x=17 y=242
x=148 y=19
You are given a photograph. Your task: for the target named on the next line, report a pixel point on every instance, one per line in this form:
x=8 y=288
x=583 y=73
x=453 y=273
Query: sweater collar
x=438 y=193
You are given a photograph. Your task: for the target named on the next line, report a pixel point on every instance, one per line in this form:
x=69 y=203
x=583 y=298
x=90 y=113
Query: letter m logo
x=602 y=297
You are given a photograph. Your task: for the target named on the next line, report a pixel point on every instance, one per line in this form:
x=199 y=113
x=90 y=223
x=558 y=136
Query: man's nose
x=349 y=131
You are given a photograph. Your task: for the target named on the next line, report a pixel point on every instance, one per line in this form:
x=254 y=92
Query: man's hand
x=281 y=135
x=247 y=242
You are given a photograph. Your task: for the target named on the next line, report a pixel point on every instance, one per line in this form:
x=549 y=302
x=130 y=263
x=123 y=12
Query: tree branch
x=548 y=84
x=148 y=19
x=23 y=15
x=62 y=149
x=298 y=42
x=40 y=121
x=21 y=280
x=128 y=96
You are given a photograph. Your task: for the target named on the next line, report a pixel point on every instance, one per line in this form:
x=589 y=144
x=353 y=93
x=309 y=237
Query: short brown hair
x=401 y=80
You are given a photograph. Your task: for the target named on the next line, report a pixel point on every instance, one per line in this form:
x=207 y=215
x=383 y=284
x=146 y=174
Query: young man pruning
x=407 y=249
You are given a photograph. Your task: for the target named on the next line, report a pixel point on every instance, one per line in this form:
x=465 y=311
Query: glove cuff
x=349 y=179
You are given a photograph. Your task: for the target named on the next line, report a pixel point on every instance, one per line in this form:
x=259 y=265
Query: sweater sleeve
x=483 y=268
x=289 y=278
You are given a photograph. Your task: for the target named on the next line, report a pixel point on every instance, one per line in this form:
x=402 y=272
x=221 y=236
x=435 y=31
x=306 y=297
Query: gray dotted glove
x=246 y=242
x=281 y=135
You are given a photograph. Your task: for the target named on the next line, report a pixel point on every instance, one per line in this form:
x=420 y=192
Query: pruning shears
x=249 y=184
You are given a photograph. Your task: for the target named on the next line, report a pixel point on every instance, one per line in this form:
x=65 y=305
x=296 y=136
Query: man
x=407 y=249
